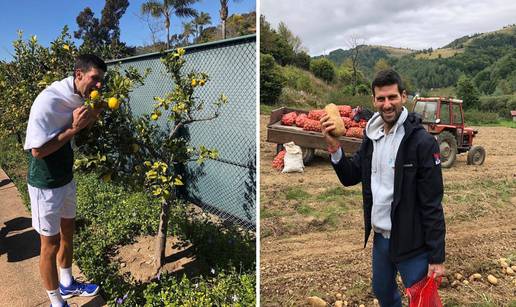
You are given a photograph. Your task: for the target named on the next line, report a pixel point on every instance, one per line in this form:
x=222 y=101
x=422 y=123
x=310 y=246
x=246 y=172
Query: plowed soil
x=312 y=229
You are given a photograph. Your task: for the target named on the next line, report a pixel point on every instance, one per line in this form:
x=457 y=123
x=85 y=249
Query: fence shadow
x=20 y=246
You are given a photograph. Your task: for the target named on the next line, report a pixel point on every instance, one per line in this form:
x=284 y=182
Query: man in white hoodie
x=57 y=114
x=399 y=167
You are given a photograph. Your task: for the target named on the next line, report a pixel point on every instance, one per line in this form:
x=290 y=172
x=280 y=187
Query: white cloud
x=327 y=25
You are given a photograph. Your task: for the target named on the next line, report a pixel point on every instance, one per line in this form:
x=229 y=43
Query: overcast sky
x=324 y=26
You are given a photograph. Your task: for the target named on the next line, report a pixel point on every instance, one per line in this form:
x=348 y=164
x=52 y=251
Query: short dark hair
x=387 y=77
x=85 y=62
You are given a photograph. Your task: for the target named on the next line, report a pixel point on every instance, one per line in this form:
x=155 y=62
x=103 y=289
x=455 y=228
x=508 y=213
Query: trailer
x=308 y=140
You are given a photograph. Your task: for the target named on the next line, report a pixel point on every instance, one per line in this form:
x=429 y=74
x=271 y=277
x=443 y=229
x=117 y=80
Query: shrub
x=323 y=68
x=225 y=290
x=292 y=97
x=32 y=69
x=476 y=117
x=271 y=81
x=502 y=105
x=363 y=90
x=302 y=60
x=468 y=92
x=298 y=79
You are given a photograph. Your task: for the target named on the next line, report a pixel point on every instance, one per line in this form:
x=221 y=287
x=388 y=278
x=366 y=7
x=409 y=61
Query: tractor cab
x=444 y=118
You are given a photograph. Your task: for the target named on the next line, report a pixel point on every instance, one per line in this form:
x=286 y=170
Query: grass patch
x=269 y=213
x=305 y=209
x=297 y=193
x=267 y=109
x=488 y=194
x=507 y=123
x=337 y=193
x=501 y=123
x=439 y=53
x=497 y=192
x=336 y=209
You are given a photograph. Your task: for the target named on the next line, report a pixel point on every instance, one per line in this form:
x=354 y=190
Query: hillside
x=368 y=56
x=484 y=57
x=338 y=56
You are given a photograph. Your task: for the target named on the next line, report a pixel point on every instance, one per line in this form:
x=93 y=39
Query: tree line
x=479 y=65
x=281 y=48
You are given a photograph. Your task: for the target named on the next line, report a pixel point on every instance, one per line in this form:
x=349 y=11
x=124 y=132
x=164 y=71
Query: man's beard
x=397 y=114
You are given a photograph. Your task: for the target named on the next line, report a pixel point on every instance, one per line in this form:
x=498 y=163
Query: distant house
x=513 y=115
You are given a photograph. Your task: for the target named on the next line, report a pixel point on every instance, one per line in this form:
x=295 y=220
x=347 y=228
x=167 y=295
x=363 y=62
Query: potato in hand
x=334 y=114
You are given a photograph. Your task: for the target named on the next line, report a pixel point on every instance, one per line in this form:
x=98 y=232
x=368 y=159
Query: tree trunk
x=161 y=238
x=223 y=29
x=168 y=38
x=354 y=80
x=167 y=25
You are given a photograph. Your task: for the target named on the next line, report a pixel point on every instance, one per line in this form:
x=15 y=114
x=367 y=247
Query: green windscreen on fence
x=226 y=186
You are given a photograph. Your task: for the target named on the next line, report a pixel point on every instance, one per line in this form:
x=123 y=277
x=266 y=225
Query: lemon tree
x=32 y=68
x=137 y=150
x=180 y=108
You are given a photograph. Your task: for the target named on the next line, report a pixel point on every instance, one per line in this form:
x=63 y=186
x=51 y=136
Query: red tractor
x=444 y=118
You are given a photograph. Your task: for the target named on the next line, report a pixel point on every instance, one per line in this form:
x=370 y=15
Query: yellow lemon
x=66 y=47
x=113 y=103
x=202 y=82
x=94 y=95
x=194 y=82
x=154 y=116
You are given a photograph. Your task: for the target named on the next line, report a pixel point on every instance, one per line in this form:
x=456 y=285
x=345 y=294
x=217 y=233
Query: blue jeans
x=384 y=272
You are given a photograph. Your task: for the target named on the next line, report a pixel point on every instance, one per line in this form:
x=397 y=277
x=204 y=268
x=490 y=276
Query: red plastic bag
x=424 y=293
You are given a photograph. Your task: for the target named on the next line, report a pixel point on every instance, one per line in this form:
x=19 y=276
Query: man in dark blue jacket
x=400 y=170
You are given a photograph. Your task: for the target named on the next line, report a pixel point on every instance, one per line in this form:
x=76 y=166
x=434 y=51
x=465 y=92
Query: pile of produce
x=278 y=162
x=311 y=121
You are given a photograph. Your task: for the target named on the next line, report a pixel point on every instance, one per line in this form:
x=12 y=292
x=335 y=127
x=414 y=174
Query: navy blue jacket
x=417 y=215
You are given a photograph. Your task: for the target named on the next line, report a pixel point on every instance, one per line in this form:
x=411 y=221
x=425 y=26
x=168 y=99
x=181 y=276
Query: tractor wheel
x=448 y=148
x=476 y=155
x=308 y=153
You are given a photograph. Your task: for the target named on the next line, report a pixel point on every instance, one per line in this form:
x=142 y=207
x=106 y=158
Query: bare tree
x=354 y=43
x=155 y=27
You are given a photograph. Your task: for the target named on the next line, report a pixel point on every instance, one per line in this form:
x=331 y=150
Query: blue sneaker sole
x=86 y=294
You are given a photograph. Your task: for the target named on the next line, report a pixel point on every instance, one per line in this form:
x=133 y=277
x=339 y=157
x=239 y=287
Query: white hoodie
x=51 y=113
x=385 y=149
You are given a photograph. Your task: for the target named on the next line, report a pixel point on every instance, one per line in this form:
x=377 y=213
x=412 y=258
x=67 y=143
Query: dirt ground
x=312 y=229
x=138 y=259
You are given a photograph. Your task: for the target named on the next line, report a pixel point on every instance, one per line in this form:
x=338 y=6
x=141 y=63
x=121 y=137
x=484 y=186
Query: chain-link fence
x=226 y=186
